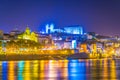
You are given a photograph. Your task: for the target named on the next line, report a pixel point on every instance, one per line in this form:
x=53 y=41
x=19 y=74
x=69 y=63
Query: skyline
x=100 y=16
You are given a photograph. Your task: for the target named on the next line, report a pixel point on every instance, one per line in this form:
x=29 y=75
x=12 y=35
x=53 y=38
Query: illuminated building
x=44 y=39
x=59 y=44
x=59 y=30
x=28 y=35
x=15 y=32
x=67 y=45
x=83 y=47
x=74 y=44
x=49 y=28
x=94 y=48
x=74 y=30
x=9 y=36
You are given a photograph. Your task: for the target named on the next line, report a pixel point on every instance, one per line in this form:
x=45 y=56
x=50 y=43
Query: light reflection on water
x=102 y=69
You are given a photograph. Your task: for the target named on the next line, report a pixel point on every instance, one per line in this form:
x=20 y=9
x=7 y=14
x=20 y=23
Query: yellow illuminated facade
x=83 y=48
x=94 y=48
x=28 y=35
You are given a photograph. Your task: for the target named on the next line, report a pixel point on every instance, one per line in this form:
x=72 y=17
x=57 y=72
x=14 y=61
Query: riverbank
x=34 y=57
x=5 y=57
x=79 y=56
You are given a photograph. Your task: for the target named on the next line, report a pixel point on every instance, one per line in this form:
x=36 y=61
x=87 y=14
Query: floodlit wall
x=74 y=30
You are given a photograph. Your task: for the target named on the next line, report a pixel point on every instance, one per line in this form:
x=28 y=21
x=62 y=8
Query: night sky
x=100 y=16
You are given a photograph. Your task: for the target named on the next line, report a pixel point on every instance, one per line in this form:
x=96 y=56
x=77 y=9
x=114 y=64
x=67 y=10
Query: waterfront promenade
x=48 y=56
x=51 y=55
x=34 y=57
x=37 y=55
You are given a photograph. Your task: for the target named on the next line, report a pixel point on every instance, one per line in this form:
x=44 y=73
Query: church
x=28 y=35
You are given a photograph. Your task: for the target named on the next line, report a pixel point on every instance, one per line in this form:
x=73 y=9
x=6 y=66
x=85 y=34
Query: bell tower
x=49 y=28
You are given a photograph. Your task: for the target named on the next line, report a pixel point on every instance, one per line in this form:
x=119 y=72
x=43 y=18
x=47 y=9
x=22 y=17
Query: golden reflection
x=35 y=69
x=65 y=68
x=100 y=67
x=113 y=70
x=0 y=68
x=42 y=69
x=60 y=64
x=94 y=65
x=0 y=63
x=11 y=73
x=105 y=69
x=27 y=74
x=53 y=69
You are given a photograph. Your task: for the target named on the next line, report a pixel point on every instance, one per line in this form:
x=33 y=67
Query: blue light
x=20 y=70
x=76 y=70
x=49 y=28
x=74 y=44
x=74 y=30
x=4 y=70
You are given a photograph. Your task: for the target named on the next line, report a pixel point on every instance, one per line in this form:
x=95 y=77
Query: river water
x=102 y=69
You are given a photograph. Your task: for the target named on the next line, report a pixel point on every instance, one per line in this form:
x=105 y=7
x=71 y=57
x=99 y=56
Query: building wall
x=67 y=45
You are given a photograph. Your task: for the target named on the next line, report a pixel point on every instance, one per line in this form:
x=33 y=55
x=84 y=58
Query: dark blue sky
x=100 y=16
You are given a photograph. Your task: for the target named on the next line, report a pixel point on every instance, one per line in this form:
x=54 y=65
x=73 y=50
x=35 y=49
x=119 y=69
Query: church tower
x=27 y=31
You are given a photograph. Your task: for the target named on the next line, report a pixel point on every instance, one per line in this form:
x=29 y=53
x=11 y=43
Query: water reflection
x=76 y=70
x=103 y=69
x=11 y=70
x=4 y=70
x=35 y=70
x=27 y=73
x=0 y=69
x=20 y=70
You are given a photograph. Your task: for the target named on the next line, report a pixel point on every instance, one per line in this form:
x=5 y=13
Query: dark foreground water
x=103 y=69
